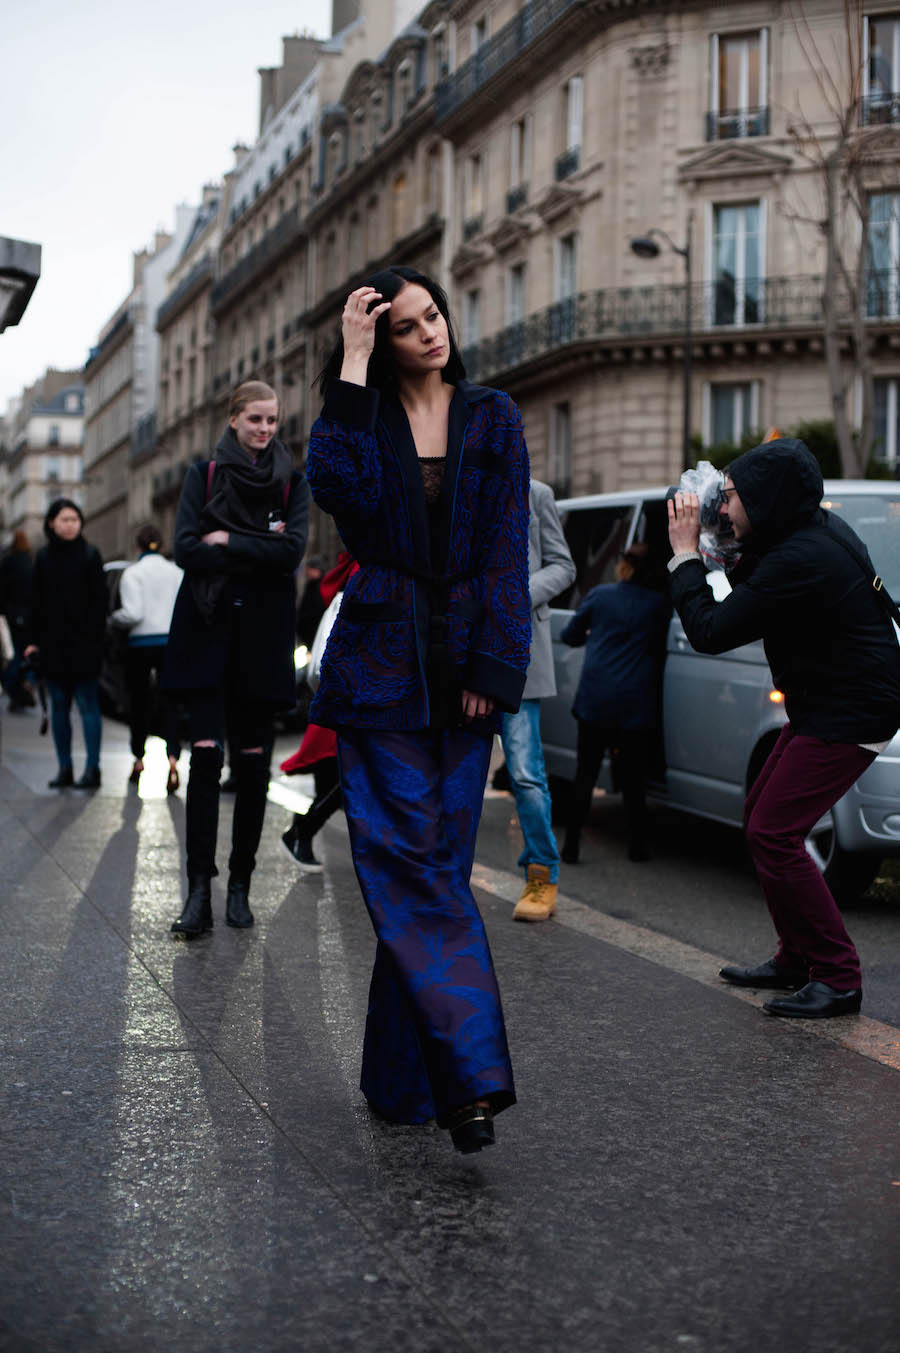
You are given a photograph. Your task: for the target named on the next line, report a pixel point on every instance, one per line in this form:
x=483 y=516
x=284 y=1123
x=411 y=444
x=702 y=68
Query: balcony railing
x=143 y=438
x=261 y=256
x=883 y=294
x=472 y=227
x=736 y=123
x=880 y=110
x=173 y=303
x=532 y=20
x=635 y=312
x=516 y=198
x=567 y=163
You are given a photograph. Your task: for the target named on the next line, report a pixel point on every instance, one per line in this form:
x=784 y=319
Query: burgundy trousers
x=801 y=780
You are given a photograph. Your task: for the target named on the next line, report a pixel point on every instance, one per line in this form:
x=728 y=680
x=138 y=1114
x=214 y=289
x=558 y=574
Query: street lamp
x=20 y=268
x=645 y=246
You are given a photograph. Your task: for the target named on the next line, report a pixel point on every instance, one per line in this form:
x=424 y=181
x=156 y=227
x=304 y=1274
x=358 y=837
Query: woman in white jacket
x=147 y=593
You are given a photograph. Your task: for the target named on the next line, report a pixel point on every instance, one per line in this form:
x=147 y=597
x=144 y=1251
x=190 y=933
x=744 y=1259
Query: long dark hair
x=381 y=364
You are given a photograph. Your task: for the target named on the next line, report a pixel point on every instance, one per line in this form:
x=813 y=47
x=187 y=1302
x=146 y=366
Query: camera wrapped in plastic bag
x=718 y=547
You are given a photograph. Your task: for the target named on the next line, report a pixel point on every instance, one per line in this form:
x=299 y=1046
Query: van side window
x=596 y=537
x=652 y=530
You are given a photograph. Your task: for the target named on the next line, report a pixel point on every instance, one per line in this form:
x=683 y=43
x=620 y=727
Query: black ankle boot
x=196 y=915
x=64 y=779
x=237 y=910
x=472 y=1128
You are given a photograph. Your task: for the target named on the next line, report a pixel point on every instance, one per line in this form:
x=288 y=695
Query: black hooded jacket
x=830 y=644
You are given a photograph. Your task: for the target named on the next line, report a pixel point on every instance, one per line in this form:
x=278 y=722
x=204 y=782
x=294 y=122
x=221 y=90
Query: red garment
x=336 y=579
x=318 y=745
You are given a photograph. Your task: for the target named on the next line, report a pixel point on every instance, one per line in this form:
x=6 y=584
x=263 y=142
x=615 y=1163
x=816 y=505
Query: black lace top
x=432 y=476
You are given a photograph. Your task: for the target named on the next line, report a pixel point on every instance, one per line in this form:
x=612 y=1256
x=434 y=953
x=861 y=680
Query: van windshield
x=876 y=520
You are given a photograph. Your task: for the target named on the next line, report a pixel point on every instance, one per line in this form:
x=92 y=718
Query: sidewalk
x=189 y=1165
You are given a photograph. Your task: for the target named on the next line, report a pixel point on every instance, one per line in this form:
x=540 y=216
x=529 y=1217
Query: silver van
x=721 y=714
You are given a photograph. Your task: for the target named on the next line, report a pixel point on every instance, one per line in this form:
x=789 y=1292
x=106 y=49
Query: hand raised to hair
x=358 y=324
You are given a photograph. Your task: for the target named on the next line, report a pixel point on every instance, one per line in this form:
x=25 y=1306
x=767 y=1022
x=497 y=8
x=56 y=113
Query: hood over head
x=780 y=486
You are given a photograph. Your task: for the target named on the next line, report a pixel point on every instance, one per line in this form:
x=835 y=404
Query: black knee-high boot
x=249 y=811
x=201 y=823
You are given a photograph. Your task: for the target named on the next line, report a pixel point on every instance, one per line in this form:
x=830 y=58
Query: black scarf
x=243 y=494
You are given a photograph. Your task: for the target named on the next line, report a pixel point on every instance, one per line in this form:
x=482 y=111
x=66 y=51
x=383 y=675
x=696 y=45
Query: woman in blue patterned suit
x=426 y=476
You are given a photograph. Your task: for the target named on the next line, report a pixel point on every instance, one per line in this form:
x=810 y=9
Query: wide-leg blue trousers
x=435 y=1038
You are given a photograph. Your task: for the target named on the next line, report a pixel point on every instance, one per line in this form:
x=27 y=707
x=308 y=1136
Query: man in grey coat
x=551 y=569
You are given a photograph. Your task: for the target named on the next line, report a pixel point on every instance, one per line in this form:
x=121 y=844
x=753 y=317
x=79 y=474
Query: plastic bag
x=718 y=547
x=317 y=651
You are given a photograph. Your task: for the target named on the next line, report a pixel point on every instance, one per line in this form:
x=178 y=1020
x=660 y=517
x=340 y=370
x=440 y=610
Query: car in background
x=721 y=714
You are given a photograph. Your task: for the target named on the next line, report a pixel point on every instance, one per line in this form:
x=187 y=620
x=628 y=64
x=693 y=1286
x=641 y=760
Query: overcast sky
x=110 y=114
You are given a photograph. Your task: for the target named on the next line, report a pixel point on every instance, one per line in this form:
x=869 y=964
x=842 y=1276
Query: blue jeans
x=521 y=738
x=87 y=698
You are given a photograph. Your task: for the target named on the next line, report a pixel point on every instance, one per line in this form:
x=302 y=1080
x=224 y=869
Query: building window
x=559 y=468
x=479 y=33
x=883 y=279
x=354 y=243
x=887 y=419
x=53 y=435
x=434 y=176
x=515 y=294
x=566 y=267
x=519 y=162
x=471 y=318
x=71 y=403
x=474 y=186
x=440 y=55
x=573 y=116
x=732 y=411
x=398 y=207
x=737 y=296
x=738 y=86
x=881 y=90
x=52 y=470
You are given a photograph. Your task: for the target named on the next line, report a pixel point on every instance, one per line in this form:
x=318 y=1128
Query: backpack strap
x=884 y=597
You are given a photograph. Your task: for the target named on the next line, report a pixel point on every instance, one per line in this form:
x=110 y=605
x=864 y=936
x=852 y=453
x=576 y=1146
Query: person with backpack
x=806 y=586
x=240 y=533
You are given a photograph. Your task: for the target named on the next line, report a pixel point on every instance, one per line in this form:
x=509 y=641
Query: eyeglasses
x=725 y=492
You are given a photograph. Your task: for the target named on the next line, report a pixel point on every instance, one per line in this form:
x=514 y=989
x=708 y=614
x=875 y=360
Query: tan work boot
x=538 y=901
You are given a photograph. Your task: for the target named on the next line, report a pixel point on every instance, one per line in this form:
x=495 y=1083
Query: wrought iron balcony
x=532 y=20
x=472 y=227
x=883 y=294
x=736 y=123
x=143 y=438
x=879 y=110
x=636 y=312
x=567 y=163
x=282 y=235
x=183 y=292
x=516 y=198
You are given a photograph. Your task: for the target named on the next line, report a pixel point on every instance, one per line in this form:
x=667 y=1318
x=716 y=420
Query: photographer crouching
x=805 y=585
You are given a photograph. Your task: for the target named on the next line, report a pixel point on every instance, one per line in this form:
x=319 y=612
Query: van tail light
x=777 y=697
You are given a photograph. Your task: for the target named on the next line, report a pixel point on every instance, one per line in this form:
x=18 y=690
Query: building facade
x=44 y=442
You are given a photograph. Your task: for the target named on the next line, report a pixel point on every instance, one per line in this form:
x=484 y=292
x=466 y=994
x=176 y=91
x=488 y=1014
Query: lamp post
x=20 y=268
x=645 y=246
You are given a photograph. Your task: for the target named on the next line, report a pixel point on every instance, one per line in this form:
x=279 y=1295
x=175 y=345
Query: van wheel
x=847 y=874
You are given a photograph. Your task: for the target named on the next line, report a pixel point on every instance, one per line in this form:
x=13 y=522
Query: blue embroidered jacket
x=468 y=564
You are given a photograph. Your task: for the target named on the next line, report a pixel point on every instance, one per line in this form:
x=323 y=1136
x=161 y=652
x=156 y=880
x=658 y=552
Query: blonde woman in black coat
x=239 y=536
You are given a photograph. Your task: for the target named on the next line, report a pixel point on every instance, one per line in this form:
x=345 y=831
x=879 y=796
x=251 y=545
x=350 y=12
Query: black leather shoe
x=472 y=1128
x=766 y=975
x=237 y=910
x=196 y=916
x=64 y=779
x=817 y=1000
x=90 y=779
